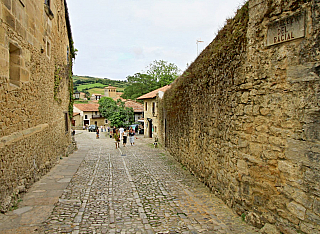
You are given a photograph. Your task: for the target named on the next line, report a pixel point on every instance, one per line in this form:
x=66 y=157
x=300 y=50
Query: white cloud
x=119 y=38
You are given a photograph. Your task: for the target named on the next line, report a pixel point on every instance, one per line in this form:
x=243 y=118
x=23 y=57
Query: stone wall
x=244 y=117
x=35 y=85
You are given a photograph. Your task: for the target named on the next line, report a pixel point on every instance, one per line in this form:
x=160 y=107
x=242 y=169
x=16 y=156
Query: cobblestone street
x=136 y=189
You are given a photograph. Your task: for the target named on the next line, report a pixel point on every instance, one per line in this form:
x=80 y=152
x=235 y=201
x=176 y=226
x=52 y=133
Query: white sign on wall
x=286 y=29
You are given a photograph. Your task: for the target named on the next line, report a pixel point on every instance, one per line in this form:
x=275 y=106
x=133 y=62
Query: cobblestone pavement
x=137 y=189
x=134 y=189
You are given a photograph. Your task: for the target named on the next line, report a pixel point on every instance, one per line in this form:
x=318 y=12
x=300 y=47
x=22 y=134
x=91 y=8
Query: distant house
x=82 y=96
x=151 y=111
x=137 y=109
x=111 y=92
x=88 y=115
x=95 y=97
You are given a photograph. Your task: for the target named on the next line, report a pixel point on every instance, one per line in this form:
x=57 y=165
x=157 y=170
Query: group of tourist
x=122 y=134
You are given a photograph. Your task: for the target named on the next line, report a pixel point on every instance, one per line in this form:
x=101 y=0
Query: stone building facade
x=110 y=91
x=88 y=115
x=245 y=116
x=151 y=117
x=36 y=52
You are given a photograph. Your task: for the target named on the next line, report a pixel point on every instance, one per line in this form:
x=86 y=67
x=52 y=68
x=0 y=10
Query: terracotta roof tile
x=87 y=107
x=137 y=107
x=110 y=87
x=154 y=93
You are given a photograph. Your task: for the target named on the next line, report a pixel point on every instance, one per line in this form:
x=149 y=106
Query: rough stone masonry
x=245 y=116
x=35 y=90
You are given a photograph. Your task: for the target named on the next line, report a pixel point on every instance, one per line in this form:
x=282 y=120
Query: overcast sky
x=120 y=38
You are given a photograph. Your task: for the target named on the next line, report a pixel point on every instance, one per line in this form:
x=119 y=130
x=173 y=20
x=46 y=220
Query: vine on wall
x=57 y=82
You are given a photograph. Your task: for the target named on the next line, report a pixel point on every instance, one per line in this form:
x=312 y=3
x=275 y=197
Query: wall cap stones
x=17 y=136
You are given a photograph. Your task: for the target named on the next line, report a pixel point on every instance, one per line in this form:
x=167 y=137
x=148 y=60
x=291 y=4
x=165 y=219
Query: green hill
x=96 y=85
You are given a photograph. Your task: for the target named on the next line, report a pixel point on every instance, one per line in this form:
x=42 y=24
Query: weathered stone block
x=4 y=68
x=2 y=35
x=316 y=206
x=284 y=213
x=262 y=128
x=21 y=29
x=264 y=111
x=19 y=12
x=298 y=195
x=7 y=3
x=242 y=167
x=270 y=154
x=303 y=72
x=312 y=127
x=8 y=18
x=24 y=75
x=244 y=98
x=296 y=209
x=269 y=229
x=310 y=228
x=311 y=217
x=288 y=167
x=248 y=109
x=242 y=143
x=255 y=149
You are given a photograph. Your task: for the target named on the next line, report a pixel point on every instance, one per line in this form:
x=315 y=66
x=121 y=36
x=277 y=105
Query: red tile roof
x=154 y=93
x=110 y=87
x=118 y=97
x=137 y=107
x=87 y=107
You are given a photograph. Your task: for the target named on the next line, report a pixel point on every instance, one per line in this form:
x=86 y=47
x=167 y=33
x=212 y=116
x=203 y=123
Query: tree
x=163 y=72
x=139 y=84
x=159 y=74
x=116 y=112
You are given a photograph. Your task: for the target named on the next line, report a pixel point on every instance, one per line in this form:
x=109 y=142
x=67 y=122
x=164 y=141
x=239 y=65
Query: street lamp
x=198 y=41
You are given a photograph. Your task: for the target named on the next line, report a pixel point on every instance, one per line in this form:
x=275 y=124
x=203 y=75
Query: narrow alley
x=134 y=189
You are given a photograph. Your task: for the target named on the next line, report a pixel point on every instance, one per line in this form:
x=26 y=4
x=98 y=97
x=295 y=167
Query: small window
x=14 y=65
x=86 y=117
x=66 y=122
x=68 y=53
x=153 y=107
x=48 y=48
x=47 y=9
x=106 y=121
x=146 y=106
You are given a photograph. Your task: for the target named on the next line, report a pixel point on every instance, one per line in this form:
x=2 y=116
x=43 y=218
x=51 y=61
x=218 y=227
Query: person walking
x=113 y=131
x=121 y=129
x=131 y=136
x=97 y=133
x=124 y=136
x=116 y=138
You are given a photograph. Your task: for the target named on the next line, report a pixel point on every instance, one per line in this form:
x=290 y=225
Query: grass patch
x=15 y=204
x=90 y=86
x=96 y=91
x=243 y=217
x=81 y=101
